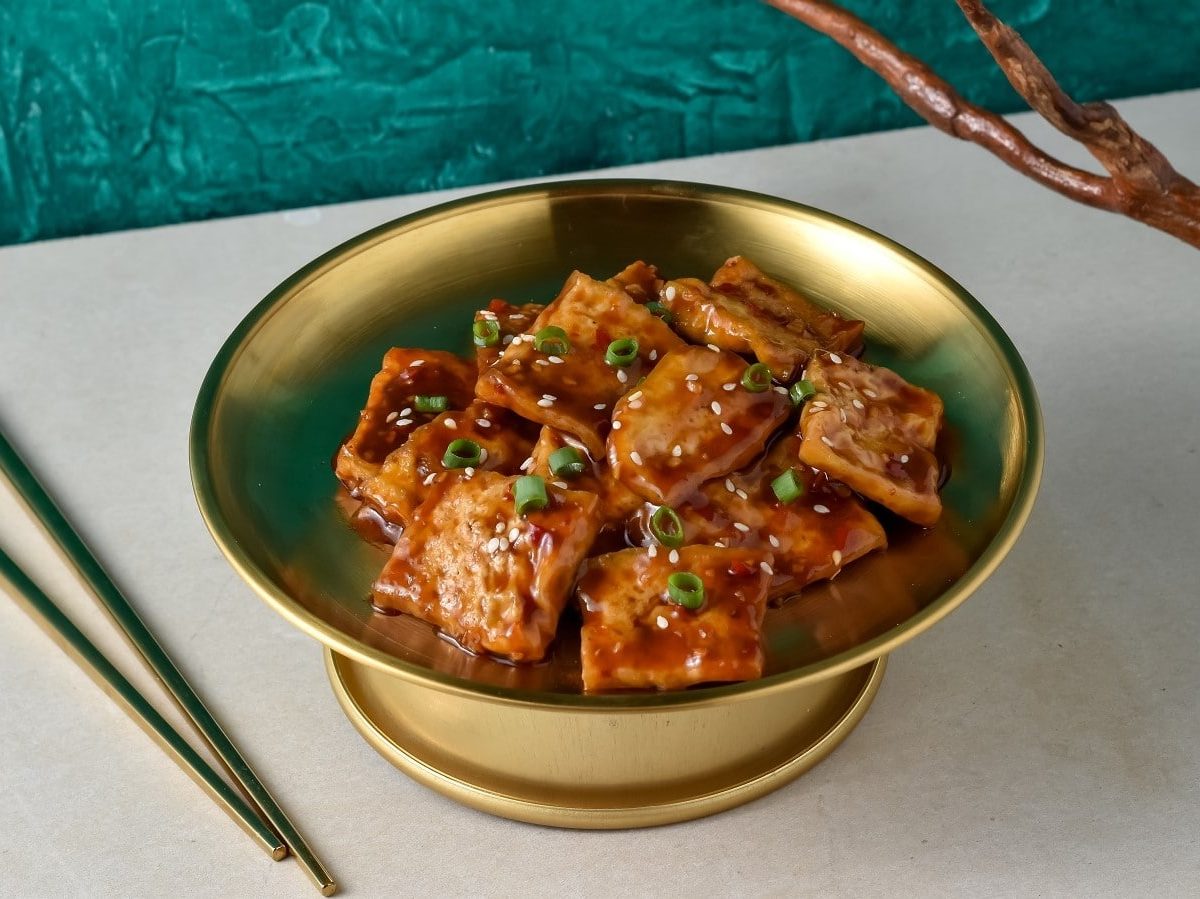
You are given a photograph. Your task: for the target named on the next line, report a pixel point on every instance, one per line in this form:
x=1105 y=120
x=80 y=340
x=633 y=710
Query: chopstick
x=142 y=640
x=50 y=618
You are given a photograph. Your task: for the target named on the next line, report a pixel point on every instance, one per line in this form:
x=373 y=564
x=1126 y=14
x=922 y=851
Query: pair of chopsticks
x=253 y=809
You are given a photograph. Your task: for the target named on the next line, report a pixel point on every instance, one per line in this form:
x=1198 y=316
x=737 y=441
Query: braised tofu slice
x=510 y=321
x=639 y=280
x=692 y=419
x=390 y=414
x=868 y=427
x=493 y=580
x=634 y=636
x=812 y=536
x=407 y=474
x=617 y=502
x=746 y=312
x=575 y=392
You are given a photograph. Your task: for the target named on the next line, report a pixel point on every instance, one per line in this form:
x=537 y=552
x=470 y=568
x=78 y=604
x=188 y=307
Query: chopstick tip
x=328 y=889
x=279 y=853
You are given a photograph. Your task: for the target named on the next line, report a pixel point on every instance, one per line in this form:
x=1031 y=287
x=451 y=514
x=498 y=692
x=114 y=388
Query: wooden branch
x=1141 y=184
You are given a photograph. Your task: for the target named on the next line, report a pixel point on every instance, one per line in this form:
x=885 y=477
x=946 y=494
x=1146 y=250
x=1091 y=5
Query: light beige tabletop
x=1043 y=740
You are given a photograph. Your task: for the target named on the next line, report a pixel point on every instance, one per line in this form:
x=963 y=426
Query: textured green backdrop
x=120 y=113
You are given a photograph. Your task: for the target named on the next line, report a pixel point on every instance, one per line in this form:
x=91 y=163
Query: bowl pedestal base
x=601 y=767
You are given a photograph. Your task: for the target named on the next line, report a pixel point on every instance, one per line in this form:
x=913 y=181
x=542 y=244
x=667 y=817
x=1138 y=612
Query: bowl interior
x=287 y=387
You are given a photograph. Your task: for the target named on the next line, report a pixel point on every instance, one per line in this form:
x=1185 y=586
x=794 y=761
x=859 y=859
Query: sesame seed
x=469 y=471
x=540 y=362
x=616 y=425
x=725 y=427
x=743 y=494
x=513 y=535
x=401 y=422
x=766 y=567
x=483 y=423
x=662 y=623
x=858 y=404
x=407 y=410
x=653 y=355
x=600 y=407
x=527 y=464
x=868 y=392
x=844 y=385
x=773 y=540
x=716 y=407
x=516 y=363
x=483 y=454
x=821 y=509
x=499 y=528
x=729 y=386
x=416 y=363
x=517 y=315
x=561 y=485
x=557 y=360
x=904 y=459
x=729 y=486
x=549 y=396
x=780 y=389
x=692 y=377
x=713 y=347
x=825 y=440
x=487 y=313
x=635 y=395
x=669 y=293
x=636 y=457
x=392 y=416
x=622 y=376
x=842 y=413
x=720 y=544
x=693 y=386
x=545 y=402
x=493 y=545
x=673 y=556
x=450 y=423
x=636 y=404
x=652 y=550
x=429 y=478
x=744 y=528
x=835 y=358
x=837 y=557
x=677 y=451
x=819 y=404
x=503 y=544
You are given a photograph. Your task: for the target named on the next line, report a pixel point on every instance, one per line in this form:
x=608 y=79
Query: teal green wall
x=121 y=114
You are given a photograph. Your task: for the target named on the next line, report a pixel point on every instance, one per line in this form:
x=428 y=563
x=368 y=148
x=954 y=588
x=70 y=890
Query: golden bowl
x=523 y=741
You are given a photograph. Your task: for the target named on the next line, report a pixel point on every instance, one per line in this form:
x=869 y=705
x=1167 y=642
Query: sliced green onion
x=622 y=352
x=788 y=487
x=686 y=589
x=552 y=341
x=667 y=526
x=800 y=391
x=657 y=308
x=462 y=453
x=431 y=403
x=756 y=378
x=485 y=332
x=567 y=462
x=529 y=494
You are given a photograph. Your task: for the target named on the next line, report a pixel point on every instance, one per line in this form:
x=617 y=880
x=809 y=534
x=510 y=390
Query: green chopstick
x=31 y=599
x=113 y=601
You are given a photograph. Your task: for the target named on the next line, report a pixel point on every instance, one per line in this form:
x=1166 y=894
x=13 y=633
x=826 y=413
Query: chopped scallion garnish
x=529 y=494
x=567 y=462
x=462 y=453
x=800 y=391
x=756 y=378
x=552 y=340
x=788 y=487
x=622 y=352
x=485 y=332
x=667 y=526
x=686 y=589
x=431 y=403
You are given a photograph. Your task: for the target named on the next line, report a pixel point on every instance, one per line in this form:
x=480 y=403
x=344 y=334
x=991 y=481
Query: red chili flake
x=498 y=306
x=739 y=568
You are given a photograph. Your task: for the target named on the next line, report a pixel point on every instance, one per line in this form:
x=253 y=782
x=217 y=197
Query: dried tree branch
x=1141 y=184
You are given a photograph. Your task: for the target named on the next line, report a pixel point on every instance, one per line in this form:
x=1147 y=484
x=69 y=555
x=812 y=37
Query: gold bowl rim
x=864 y=653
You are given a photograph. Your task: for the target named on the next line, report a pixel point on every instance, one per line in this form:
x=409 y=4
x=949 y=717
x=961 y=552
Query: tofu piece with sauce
x=639 y=280
x=869 y=428
x=617 y=502
x=811 y=537
x=575 y=392
x=510 y=321
x=691 y=420
x=390 y=413
x=493 y=580
x=405 y=477
x=634 y=636
x=745 y=311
